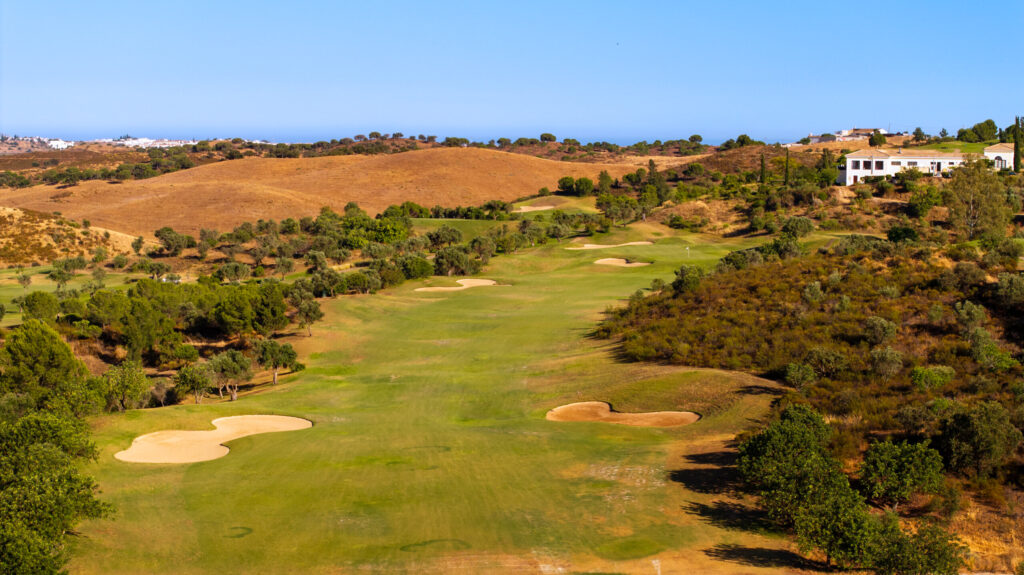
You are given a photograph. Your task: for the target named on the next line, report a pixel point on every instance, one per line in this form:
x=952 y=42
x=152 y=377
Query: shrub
x=886 y=361
x=799 y=374
x=879 y=330
x=931 y=377
x=798 y=227
x=687 y=279
x=826 y=362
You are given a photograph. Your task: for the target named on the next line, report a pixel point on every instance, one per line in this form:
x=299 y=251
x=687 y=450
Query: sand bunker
x=603 y=246
x=525 y=209
x=463 y=284
x=619 y=262
x=180 y=446
x=601 y=411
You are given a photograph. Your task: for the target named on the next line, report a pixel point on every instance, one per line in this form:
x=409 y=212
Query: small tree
x=307 y=309
x=892 y=472
x=193 y=379
x=546 y=137
x=125 y=383
x=977 y=201
x=273 y=355
x=567 y=185
x=284 y=266
x=929 y=551
x=137 y=244
x=975 y=441
x=231 y=368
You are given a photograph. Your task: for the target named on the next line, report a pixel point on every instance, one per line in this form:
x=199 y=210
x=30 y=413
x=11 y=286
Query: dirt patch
x=601 y=411
x=526 y=209
x=621 y=263
x=180 y=446
x=463 y=284
x=603 y=246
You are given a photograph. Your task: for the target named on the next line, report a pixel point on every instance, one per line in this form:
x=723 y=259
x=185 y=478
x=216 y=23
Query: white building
x=1001 y=156
x=58 y=144
x=873 y=162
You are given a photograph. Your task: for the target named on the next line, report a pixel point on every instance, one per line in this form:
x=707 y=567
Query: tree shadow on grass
x=722 y=478
x=731 y=515
x=763 y=557
x=758 y=389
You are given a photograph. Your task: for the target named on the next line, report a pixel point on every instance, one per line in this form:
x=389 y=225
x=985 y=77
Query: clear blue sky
x=616 y=71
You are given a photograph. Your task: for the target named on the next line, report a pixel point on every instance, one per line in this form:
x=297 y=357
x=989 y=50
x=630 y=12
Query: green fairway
x=961 y=147
x=430 y=451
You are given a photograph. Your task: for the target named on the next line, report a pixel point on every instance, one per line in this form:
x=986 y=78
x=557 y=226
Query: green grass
x=429 y=446
x=10 y=288
x=962 y=147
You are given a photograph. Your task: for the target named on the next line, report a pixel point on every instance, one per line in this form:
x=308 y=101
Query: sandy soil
x=463 y=284
x=621 y=263
x=601 y=411
x=603 y=246
x=525 y=209
x=179 y=446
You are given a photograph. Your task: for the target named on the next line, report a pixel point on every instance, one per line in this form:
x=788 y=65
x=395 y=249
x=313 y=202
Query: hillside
x=225 y=194
x=28 y=237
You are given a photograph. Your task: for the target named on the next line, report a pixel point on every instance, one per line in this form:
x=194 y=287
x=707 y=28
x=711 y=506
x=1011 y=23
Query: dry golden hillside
x=28 y=237
x=225 y=194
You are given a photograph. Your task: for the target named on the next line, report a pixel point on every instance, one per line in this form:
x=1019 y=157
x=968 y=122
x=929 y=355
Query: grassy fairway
x=430 y=451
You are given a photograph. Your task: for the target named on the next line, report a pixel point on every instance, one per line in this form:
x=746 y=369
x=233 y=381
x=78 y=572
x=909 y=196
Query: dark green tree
x=43 y=493
x=36 y=363
x=929 y=551
x=40 y=305
x=976 y=440
x=892 y=472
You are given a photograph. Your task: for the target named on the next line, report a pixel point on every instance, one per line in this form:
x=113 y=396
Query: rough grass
x=430 y=452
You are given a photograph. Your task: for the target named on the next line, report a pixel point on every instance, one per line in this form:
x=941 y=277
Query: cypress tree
x=786 y=179
x=1016 y=144
x=764 y=172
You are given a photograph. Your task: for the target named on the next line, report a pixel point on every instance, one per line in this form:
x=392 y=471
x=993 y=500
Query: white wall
x=1001 y=159
x=890 y=166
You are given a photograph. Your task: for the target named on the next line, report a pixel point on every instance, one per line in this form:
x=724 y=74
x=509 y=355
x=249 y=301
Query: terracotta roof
x=1004 y=147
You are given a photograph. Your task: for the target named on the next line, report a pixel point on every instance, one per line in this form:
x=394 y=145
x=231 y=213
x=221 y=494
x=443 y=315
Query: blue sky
x=616 y=71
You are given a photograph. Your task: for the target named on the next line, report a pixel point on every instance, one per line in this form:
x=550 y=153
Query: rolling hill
x=225 y=194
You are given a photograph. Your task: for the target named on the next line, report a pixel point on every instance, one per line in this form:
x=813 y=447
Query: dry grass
x=225 y=194
x=28 y=237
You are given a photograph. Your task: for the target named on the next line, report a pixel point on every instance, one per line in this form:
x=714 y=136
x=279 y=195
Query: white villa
x=58 y=144
x=888 y=162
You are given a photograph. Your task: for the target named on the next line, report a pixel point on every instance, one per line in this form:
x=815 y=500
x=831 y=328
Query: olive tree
x=273 y=355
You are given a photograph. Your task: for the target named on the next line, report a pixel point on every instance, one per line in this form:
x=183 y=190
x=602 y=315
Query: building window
x=879 y=165
x=897 y=163
x=911 y=164
x=856 y=164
